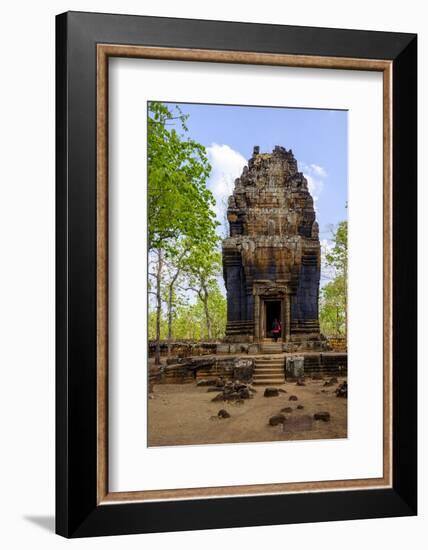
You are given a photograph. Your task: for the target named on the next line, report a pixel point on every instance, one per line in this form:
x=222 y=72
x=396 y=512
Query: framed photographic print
x=236 y=274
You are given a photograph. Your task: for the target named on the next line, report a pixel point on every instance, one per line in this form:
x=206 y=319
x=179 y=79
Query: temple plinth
x=271 y=260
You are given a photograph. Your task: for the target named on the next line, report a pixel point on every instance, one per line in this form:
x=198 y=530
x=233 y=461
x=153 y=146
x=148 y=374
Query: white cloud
x=318 y=170
x=227 y=165
x=316 y=176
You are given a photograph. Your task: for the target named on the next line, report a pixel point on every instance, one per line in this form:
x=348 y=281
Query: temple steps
x=266 y=372
x=271 y=347
x=263 y=364
x=269 y=371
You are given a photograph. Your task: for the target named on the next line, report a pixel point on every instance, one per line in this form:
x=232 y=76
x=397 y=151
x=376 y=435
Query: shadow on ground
x=45 y=522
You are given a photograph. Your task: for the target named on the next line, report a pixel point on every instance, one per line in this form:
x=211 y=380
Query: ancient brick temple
x=271 y=260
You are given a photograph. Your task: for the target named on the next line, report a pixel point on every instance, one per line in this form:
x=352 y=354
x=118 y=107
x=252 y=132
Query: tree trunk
x=207 y=313
x=170 y=319
x=158 y=306
x=345 y=280
x=170 y=305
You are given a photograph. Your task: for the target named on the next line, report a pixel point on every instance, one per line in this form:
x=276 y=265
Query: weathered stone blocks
x=271 y=259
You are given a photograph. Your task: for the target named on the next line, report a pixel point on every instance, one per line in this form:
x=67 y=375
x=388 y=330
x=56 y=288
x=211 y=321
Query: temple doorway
x=272 y=312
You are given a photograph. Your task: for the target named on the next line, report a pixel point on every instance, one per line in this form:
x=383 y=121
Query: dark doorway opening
x=273 y=312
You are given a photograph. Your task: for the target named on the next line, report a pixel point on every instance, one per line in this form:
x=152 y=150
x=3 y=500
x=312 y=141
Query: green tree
x=334 y=295
x=204 y=266
x=179 y=203
x=188 y=318
x=332 y=310
x=180 y=207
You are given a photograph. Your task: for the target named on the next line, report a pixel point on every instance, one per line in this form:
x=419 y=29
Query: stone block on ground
x=218 y=397
x=271 y=392
x=294 y=367
x=301 y=423
x=342 y=390
x=324 y=416
x=277 y=419
x=234 y=391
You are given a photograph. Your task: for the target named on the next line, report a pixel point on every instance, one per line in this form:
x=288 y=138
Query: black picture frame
x=77 y=511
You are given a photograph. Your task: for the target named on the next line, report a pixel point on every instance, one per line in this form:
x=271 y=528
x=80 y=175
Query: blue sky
x=317 y=137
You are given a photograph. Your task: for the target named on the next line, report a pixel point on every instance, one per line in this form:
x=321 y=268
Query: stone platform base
x=244 y=367
x=263 y=347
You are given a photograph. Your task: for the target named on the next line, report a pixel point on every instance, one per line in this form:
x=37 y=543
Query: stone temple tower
x=271 y=260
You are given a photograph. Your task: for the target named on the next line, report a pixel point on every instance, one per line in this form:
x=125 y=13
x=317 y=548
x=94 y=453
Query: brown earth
x=183 y=414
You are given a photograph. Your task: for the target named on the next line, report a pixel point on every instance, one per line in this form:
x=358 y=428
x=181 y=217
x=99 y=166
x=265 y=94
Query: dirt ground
x=183 y=414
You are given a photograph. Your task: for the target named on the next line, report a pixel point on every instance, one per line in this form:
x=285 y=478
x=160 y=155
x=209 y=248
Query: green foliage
x=333 y=296
x=203 y=267
x=332 y=310
x=179 y=203
x=338 y=257
x=181 y=228
x=188 y=321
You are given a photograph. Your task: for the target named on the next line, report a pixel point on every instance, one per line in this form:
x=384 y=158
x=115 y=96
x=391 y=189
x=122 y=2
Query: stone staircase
x=269 y=371
x=271 y=347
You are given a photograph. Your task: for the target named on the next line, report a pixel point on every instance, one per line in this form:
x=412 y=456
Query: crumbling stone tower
x=271 y=260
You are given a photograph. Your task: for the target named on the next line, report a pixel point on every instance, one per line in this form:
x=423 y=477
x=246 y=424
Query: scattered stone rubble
x=233 y=391
x=342 y=390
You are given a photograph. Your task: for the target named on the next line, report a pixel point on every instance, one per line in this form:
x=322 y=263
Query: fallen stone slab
x=301 y=423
